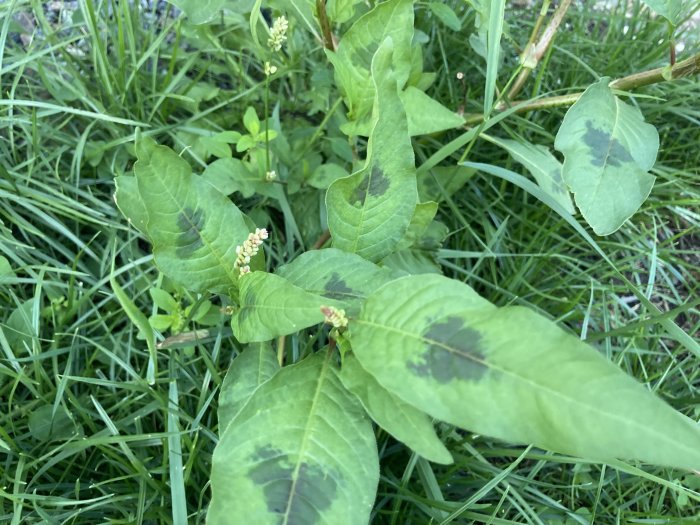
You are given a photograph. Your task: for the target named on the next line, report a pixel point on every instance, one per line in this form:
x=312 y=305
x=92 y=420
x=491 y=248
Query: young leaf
x=271 y=306
x=608 y=150
x=353 y=58
x=340 y=11
x=336 y=275
x=198 y=11
x=231 y=175
x=193 y=227
x=424 y=114
x=512 y=374
x=251 y=121
x=255 y=365
x=403 y=421
x=369 y=211
x=542 y=165
x=446 y=15
x=300 y=451
x=164 y=300
x=669 y=9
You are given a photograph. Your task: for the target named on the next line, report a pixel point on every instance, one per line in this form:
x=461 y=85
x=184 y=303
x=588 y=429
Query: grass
x=85 y=439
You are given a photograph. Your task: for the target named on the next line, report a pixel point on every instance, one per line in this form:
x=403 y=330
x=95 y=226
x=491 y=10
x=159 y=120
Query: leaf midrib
x=208 y=244
x=534 y=384
x=305 y=438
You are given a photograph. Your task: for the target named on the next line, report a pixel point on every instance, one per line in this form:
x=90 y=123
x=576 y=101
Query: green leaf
x=164 y=300
x=513 y=375
x=353 y=58
x=19 y=330
x=426 y=115
x=250 y=369
x=6 y=271
x=300 y=451
x=45 y=425
x=247 y=142
x=200 y=11
x=422 y=217
x=217 y=148
x=129 y=202
x=325 y=175
x=669 y=9
x=446 y=15
x=193 y=227
x=231 y=175
x=272 y=306
x=608 y=150
x=251 y=121
x=442 y=181
x=340 y=11
x=369 y=211
x=162 y=322
x=406 y=423
x=412 y=262
x=336 y=275
x=542 y=165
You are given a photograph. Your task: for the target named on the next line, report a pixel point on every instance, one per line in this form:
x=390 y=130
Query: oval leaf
x=253 y=367
x=336 y=275
x=301 y=451
x=193 y=227
x=669 y=9
x=608 y=150
x=369 y=212
x=353 y=58
x=403 y=421
x=512 y=374
x=272 y=306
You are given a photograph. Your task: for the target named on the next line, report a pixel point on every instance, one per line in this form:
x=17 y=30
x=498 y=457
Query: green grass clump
x=85 y=439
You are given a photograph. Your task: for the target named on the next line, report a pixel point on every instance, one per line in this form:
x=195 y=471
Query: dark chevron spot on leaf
x=374 y=184
x=247 y=306
x=190 y=223
x=453 y=353
x=362 y=56
x=302 y=495
x=604 y=150
x=336 y=288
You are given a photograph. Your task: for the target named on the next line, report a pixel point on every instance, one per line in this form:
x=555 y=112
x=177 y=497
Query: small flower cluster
x=334 y=316
x=278 y=33
x=270 y=69
x=250 y=248
x=271 y=176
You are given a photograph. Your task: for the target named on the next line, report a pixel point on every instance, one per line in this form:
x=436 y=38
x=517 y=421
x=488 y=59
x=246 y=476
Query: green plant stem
x=688 y=67
x=267 y=124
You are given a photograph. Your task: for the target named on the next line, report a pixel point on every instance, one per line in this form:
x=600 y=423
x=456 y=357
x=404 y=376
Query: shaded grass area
x=84 y=438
